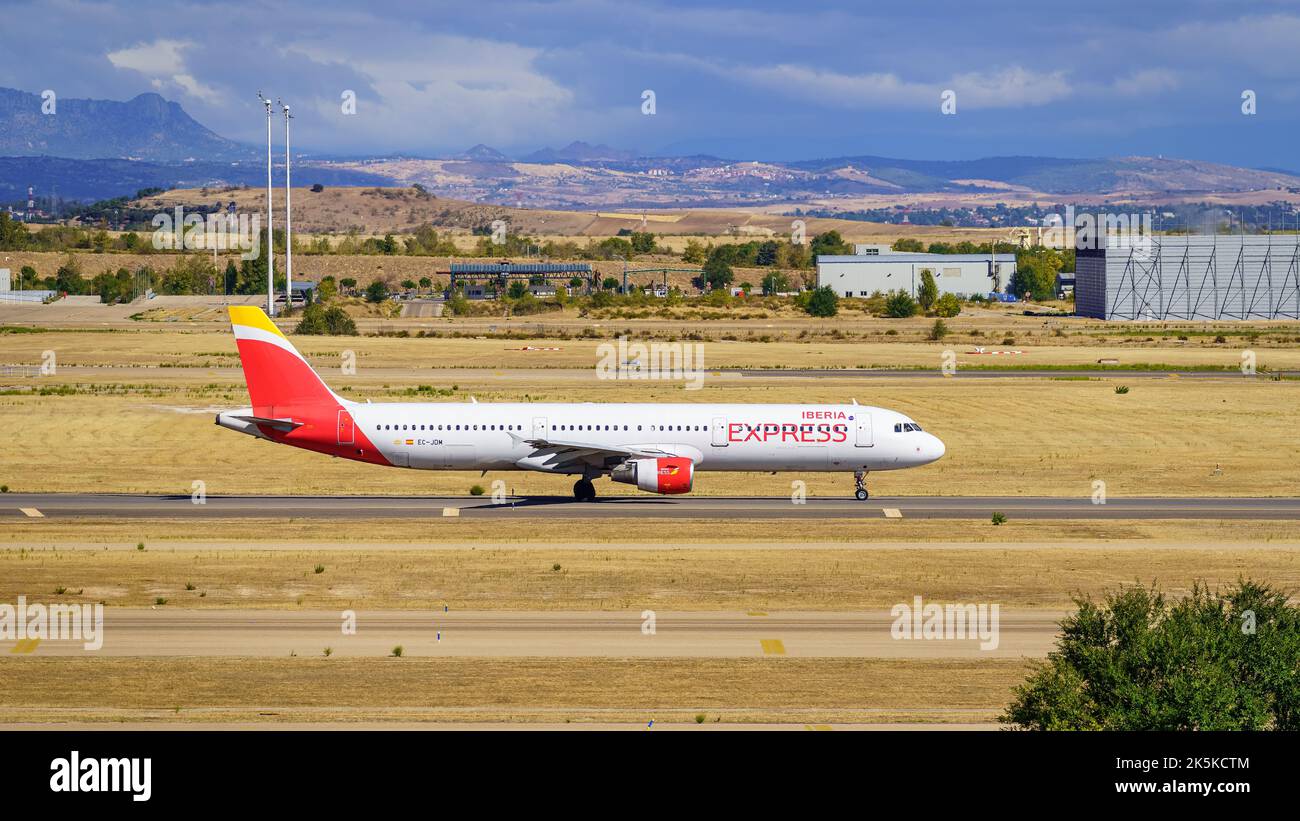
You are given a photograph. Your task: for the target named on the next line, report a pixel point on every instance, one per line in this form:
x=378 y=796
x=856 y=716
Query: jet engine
x=672 y=474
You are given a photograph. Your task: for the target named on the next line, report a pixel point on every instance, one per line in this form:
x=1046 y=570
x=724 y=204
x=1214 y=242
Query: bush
x=1136 y=661
x=938 y=330
x=999 y=518
x=376 y=292
x=476 y=490
x=823 y=302
x=320 y=568
x=1121 y=389
x=397 y=652
x=317 y=320
x=948 y=306
x=900 y=305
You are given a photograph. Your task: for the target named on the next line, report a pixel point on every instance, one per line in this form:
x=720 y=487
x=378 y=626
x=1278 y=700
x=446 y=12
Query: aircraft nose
x=935 y=448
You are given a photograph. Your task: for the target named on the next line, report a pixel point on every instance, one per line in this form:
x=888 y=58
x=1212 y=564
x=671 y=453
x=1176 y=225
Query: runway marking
x=772 y=647
x=32 y=513
x=25 y=646
x=893 y=513
x=820 y=727
x=756 y=613
x=451 y=511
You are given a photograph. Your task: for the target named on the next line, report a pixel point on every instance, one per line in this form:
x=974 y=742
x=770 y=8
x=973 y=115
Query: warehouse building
x=961 y=274
x=1191 y=277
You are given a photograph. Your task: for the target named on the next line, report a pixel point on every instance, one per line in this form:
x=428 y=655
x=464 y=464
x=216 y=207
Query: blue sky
x=760 y=80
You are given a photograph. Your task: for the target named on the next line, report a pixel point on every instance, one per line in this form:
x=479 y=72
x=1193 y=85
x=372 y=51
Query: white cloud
x=163 y=63
x=445 y=89
x=1013 y=87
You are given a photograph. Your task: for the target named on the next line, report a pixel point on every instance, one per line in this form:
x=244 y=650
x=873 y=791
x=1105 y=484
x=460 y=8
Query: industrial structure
x=1209 y=277
x=500 y=274
x=879 y=270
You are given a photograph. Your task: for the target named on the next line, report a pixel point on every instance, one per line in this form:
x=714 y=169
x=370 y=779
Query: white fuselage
x=473 y=436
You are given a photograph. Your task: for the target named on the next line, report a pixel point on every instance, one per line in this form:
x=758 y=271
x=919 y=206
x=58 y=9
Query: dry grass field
x=810 y=691
x=621 y=577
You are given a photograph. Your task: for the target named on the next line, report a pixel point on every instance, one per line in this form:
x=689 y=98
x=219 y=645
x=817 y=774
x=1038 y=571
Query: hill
x=146 y=127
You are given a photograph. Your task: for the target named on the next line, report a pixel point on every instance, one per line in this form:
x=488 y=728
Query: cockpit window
x=898 y=427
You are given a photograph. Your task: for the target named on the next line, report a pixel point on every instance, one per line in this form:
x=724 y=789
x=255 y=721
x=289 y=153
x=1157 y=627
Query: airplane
x=655 y=447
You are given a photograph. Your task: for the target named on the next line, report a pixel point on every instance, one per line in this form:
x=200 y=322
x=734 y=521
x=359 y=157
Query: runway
x=509 y=634
x=449 y=508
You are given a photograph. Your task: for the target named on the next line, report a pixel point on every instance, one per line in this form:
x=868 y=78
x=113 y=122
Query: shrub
x=999 y=518
x=1121 y=389
x=397 y=652
x=320 y=568
x=948 y=306
x=317 y=320
x=938 y=330
x=823 y=302
x=476 y=490
x=900 y=305
x=1137 y=661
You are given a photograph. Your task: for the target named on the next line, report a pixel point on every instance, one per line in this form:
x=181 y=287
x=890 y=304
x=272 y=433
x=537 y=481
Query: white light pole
x=288 y=218
x=270 y=236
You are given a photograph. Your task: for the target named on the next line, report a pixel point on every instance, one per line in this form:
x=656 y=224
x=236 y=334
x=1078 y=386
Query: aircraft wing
x=554 y=454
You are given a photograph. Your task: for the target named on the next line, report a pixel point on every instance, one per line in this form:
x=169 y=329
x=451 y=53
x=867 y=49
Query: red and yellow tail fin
x=276 y=374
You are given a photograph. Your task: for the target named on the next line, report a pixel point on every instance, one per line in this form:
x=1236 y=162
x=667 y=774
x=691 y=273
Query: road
x=162 y=631
x=60 y=505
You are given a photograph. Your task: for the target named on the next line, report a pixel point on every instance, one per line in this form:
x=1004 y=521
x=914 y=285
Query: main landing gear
x=860 y=482
x=584 y=491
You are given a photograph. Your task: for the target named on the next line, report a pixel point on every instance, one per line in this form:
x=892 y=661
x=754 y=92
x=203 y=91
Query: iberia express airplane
x=656 y=447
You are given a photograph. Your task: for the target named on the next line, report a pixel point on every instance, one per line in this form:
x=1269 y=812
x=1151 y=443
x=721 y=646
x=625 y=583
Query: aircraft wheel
x=584 y=491
x=862 y=494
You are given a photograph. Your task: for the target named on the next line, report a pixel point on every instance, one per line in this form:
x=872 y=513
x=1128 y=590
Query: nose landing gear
x=860 y=483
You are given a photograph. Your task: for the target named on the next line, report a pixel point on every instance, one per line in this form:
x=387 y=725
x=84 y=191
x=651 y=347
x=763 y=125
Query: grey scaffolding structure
x=1194 y=277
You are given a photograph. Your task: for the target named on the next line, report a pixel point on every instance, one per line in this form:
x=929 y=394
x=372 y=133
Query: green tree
x=327 y=289
x=1136 y=661
x=900 y=305
x=948 y=306
x=908 y=246
x=321 y=321
x=830 y=244
x=823 y=302
x=717 y=271
x=928 y=293
x=695 y=252
x=776 y=282
x=376 y=292
x=517 y=289
x=643 y=242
